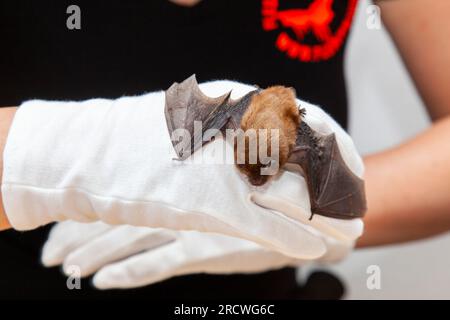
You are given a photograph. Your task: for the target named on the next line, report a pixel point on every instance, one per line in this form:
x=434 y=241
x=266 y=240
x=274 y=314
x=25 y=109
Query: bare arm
x=6 y=117
x=407 y=187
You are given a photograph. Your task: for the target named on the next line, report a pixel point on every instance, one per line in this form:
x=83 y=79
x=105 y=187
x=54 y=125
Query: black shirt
x=133 y=47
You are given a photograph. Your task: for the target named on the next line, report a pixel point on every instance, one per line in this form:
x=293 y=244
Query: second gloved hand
x=128 y=257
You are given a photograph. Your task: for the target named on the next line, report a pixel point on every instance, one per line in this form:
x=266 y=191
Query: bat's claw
x=302 y=111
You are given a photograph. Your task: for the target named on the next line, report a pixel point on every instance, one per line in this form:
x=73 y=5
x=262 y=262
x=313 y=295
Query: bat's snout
x=258 y=180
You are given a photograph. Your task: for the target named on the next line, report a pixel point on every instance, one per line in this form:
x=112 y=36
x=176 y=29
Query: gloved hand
x=127 y=256
x=111 y=160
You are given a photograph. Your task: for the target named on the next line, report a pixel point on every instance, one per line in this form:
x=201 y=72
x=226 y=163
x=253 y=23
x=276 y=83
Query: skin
x=186 y=3
x=406 y=186
x=6 y=117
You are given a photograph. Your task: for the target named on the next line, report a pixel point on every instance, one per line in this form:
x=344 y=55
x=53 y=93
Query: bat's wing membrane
x=335 y=191
x=189 y=113
x=342 y=193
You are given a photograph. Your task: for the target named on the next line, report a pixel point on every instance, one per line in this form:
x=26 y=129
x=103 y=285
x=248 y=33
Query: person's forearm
x=6 y=117
x=408 y=189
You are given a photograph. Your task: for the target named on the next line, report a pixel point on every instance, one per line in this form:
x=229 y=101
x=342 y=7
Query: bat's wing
x=335 y=191
x=193 y=118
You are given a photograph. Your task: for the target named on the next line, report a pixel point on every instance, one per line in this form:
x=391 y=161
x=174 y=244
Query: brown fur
x=272 y=108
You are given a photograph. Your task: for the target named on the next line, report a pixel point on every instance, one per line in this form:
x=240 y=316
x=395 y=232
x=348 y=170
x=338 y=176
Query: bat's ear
x=293 y=91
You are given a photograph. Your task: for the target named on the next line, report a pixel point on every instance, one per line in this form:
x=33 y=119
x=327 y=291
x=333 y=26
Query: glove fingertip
x=101 y=281
x=50 y=257
x=48 y=261
x=306 y=250
x=359 y=227
x=109 y=277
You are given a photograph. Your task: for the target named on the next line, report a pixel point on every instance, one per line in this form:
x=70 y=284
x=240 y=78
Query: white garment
x=112 y=160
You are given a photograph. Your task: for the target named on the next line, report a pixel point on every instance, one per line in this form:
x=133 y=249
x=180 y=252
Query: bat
x=334 y=190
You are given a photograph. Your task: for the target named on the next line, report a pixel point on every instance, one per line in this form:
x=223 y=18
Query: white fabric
x=112 y=160
x=127 y=256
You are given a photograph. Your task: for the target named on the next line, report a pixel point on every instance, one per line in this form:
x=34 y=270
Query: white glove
x=127 y=256
x=111 y=160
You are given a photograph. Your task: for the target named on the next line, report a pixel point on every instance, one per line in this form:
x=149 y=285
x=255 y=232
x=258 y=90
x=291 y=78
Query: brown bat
x=334 y=190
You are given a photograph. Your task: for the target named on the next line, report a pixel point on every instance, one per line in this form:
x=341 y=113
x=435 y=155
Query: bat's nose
x=258 y=180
